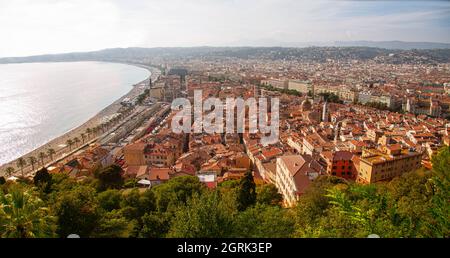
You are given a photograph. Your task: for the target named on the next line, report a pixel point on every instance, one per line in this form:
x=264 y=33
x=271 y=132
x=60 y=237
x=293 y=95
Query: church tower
x=325 y=112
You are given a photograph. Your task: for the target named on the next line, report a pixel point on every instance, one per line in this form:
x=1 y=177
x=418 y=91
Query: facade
x=348 y=94
x=277 y=83
x=294 y=174
x=421 y=106
x=386 y=162
x=158 y=91
x=364 y=97
x=339 y=164
x=134 y=154
x=301 y=86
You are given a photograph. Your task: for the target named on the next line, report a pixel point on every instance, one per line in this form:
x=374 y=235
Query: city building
x=294 y=173
x=303 y=87
x=386 y=162
x=277 y=83
x=339 y=163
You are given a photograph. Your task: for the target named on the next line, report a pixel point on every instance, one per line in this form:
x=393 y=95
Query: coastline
x=111 y=109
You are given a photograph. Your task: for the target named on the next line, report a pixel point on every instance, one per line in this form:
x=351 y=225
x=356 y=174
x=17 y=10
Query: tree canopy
x=415 y=204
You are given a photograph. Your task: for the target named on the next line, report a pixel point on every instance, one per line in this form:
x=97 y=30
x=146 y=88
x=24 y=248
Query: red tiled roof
x=159 y=173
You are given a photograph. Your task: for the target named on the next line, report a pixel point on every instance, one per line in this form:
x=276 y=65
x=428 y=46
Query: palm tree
x=89 y=131
x=9 y=171
x=26 y=215
x=42 y=156
x=76 y=140
x=21 y=162
x=51 y=152
x=83 y=137
x=69 y=143
x=32 y=160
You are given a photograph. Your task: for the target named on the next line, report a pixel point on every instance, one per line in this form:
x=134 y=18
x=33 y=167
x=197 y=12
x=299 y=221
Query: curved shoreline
x=91 y=122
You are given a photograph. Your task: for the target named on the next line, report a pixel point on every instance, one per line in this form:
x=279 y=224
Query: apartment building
x=387 y=162
x=300 y=86
x=339 y=163
x=294 y=173
x=277 y=83
x=134 y=154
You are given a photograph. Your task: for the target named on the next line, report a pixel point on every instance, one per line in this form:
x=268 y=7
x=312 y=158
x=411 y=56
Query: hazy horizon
x=50 y=27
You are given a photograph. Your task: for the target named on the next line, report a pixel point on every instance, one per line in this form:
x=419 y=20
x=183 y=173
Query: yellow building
x=243 y=161
x=157 y=92
x=134 y=154
x=387 y=162
x=276 y=83
x=300 y=86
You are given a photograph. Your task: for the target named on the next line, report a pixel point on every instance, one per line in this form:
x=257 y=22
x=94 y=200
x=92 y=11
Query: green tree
x=21 y=162
x=113 y=224
x=155 y=225
x=89 y=132
x=134 y=204
x=110 y=177
x=43 y=179
x=51 y=152
x=77 y=212
x=110 y=199
x=23 y=215
x=83 y=137
x=268 y=194
x=247 y=192
x=32 y=161
x=440 y=182
x=264 y=220
x=202 y=216
x=70 y=144
x=313 y=204
x=42 y=156
x=176 y=191
x=77 y=141
x=408 y=203
x=9 y=171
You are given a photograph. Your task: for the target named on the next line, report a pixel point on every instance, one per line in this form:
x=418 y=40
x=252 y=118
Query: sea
x=41 y=101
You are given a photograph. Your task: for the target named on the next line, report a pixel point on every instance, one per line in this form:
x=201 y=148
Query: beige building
x=157 y=92
x=343 y=92
x=134 y=154
x=300 y=86
x=386 y=162
x=294 y=173
x=277 y=83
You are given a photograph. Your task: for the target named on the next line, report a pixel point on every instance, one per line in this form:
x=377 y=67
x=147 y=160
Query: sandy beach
x=59 y=143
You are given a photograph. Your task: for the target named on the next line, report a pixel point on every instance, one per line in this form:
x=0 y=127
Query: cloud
x=53 y=26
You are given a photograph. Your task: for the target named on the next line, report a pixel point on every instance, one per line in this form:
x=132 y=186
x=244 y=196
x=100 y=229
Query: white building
x=294 y=173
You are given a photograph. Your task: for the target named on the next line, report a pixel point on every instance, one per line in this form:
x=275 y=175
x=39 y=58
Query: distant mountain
x=393 y=44
x=307 y=54
x=403 y=45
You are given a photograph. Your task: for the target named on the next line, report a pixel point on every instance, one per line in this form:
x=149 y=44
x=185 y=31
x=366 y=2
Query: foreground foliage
x=413 y=205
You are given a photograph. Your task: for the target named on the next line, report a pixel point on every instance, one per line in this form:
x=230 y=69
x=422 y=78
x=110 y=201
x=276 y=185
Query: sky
x=32 y=27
